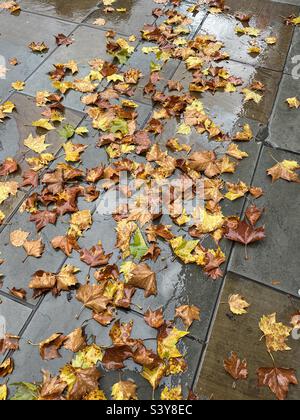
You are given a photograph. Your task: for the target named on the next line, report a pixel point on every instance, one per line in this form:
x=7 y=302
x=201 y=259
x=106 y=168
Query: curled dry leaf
x=49 y=347
x=7 y=367
x=236 y=367
x=154 y=319
x=75 y=341
x=34 y=248
x=238 y=304
x=188 y=314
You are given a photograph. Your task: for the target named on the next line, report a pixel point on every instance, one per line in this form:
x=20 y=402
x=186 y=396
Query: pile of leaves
x=55 y=184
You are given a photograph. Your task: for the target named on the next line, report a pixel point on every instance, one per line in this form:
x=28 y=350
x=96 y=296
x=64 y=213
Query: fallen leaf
x=236 y=368
x=238 y=304
x=278 y=380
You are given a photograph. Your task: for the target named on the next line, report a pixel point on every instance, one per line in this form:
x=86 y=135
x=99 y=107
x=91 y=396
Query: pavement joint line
x=16 y=300
x=34 y=12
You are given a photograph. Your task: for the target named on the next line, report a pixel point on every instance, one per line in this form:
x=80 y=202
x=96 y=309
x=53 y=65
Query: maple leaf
x=65 y=244
x=75 y=341
x=188 y=314
x=173 y=394
x=138 y=246
x=238 y=304
x=143 y=277
x=18 y=85
x=34 y=248
x=124 y=390
x=38 y=47
x=30 y=178
x=275 y=333
x=43 y=218
x=18 y=237
x=42 y=280
x=254 y=214
x=9 y=342
x=285 y=170
x=95 y=256
x=293 y=102
x=236 y=368
x=167 y=340
x=62 y=39
x=9 y=166
x=52 y=388
x=80 y=381
x=18 y=293
x=154 y=376
x=245 y=234
x=154 y=319
x=37 y=144
x=43 y=123
x=7 y=367
x=92 y=296
x=49 y=347
x=66 y=278
x=277 y=379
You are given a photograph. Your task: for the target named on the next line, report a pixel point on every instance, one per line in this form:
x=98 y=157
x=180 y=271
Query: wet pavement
x=268 y=279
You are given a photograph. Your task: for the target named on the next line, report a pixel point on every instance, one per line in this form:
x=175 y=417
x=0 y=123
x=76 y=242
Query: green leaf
x=155 y=67
x=81 y=130
x=138 y=246
x=67 y=131
x=25 y=391
x=119 y=124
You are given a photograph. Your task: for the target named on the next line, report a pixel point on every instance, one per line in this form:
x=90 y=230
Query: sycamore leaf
x=73 y=151
x=80 y=381
x=37 y=144
x=167 y=342
x=154 y=319
x=38 y=47
x=236 y=368
x=25 y=391
x=124 y=390
x=245 y=135
x=18 y=237
x=43 y=123
x=75 y=341
x=285 y=170
x=183 y=249
x=143 y=277
x=250 y=95
x=238 y=304
x=66 y=278
x=275 y=333
x=188 y=314
x=278 y=380
x=34 y=248
x=92 y=297
x=154 y=376
x=173 y=394
x=7 y=189
x=138 y=246
x=88 y=357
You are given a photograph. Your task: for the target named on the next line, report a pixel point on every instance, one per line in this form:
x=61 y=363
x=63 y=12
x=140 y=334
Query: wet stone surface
x=242 y=335
x=274 y=261
x=73 y=10
x=27 y=28
x=285 y=136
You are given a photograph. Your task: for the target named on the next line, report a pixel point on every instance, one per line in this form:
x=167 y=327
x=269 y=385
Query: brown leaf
x=7 y=367
x=42 y=280
x=278 y=380
x=18 y=238
x=115 y=357
x=49 y=347
x=18 y=293
x=188 y=314
x=124 y=390
x=86 y=381
x=62 y=39
x=154 y=319
x=9 y=166
x=235 y=367
x=52 y=388
x=43 y=218
x=254 y=214
x=34 y=248
x=9 y=342
x=65 y=244
x=30 y=178
x=92 y=297
x=75 y=341
x=95 y=256
x=245 y=234
x=143 y=277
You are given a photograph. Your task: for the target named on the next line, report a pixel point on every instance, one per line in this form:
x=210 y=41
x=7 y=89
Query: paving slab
x=14 y=43
x=293 y=60
x=274 y=261
x=226 y=107
x=15 y=314
x=284 y=124
x=242 y=335
x=128 y=22
x=73 y=10
x=15 y=129
x=81 y=51
x=48 y=320
x=266 y=16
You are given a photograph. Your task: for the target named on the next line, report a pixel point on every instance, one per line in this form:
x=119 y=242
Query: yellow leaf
x=275 y=333
x=293 y=102
x=154 y=376
x=124 y=390
x=250 y=95
x=37 y=144
x=183 y=249
x=237 y=304
x=43 y=123
x=3 y=392
x=248 y=30
x=81 y=130
x=97 y=395
x=245 y=135
x=184 y=129
x=40 y=162
x=206 y=222
x=7 y=189
x=173 y=394
x=167 y=347
x=88 y=357
x=73 y=151
x=236 y=191
x=18 y=85
x=271 y=40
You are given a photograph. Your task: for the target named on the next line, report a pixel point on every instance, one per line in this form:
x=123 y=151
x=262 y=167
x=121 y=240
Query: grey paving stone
x=74 y=10
x=225 y=107
x=130 y=22
x=15 y=314
x=295 y=2
x=274 y=261
x=285 y=123
x=15 y=129
x=267 y=16
x=81 y=51
x=49 y=320
x=14 y=43
x=242 y=335
x=293 y=61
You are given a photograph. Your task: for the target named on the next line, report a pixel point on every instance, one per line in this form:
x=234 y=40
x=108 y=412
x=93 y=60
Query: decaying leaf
x=278 y=380
x=236 y=368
